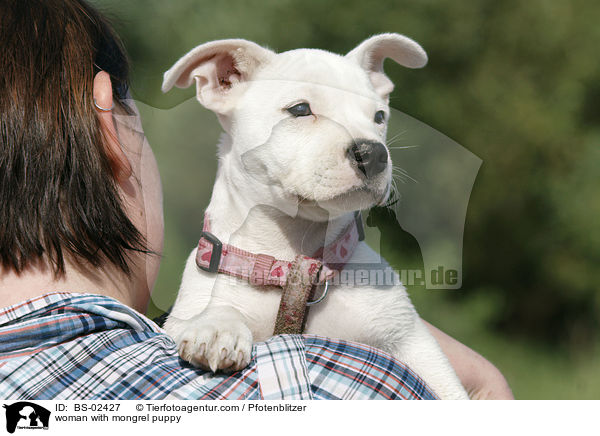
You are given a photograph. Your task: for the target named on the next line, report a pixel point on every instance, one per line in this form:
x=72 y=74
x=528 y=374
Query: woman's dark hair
x=58 y=195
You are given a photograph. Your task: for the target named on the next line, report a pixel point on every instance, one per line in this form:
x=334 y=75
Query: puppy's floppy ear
x=218 y=67
x=371 y=53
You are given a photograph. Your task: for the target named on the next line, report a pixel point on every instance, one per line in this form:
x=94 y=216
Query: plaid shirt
x=83 y=346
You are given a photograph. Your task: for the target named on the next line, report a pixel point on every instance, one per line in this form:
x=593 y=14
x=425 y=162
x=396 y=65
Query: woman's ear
x=103 y=104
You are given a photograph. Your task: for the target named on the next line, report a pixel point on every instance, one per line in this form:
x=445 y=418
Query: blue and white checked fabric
x=84 y=346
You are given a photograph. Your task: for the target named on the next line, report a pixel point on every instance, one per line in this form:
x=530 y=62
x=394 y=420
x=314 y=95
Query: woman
x=81 y=233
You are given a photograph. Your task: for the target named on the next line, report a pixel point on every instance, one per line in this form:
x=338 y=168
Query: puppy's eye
x=300 y=110
x=379 y=117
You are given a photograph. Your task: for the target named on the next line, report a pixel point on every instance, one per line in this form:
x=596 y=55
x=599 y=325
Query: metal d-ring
x=322 y=297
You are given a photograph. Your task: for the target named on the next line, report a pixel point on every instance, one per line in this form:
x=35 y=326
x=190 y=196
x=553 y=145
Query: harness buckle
x=359 y=225
x=215 y=256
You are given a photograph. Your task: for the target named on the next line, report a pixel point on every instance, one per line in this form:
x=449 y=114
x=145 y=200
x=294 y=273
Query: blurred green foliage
x=515 y=82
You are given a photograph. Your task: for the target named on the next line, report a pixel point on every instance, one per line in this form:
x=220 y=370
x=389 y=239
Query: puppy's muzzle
x=369 y=157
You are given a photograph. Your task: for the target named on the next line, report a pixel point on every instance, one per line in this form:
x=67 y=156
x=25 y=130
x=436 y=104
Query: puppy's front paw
x=215 y=342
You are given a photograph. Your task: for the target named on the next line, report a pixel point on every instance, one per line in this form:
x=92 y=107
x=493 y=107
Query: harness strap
x=298 y=278
x=298 y=289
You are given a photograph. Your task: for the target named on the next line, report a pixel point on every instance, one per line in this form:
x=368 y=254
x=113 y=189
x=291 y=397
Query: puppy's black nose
x=370 y=157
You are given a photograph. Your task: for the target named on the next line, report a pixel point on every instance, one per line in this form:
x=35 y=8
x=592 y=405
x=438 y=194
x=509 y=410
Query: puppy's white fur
x=285 y=186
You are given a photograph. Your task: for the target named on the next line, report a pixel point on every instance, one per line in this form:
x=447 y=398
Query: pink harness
x=298 y=278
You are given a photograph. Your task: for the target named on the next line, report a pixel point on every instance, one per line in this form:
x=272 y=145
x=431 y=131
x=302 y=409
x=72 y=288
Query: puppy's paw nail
x=240 y=360
x=213 y=364
x=182 y=348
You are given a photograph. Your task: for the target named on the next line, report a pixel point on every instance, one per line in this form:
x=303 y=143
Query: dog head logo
x=26 y=415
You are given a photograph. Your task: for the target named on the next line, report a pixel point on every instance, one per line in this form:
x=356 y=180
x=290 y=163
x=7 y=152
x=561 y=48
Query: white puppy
x=302 y=150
